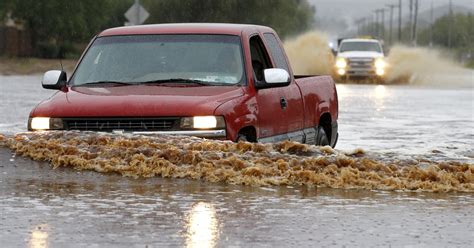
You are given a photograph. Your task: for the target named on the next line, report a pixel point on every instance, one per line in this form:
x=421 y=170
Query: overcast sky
x=338 y=17
x=354 y=9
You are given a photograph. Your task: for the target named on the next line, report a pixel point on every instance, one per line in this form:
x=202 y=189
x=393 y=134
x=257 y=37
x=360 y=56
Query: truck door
x=294 y=112
x=270 y=110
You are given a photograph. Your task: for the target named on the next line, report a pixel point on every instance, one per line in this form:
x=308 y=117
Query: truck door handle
x=283 y=103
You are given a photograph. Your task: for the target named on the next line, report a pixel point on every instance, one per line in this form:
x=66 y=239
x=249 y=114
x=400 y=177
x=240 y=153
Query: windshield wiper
x=117 y=83
x=182 y=80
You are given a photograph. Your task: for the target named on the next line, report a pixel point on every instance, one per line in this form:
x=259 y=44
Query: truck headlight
x=45 y=123
x=341 y=63
x=380 y=71
x=380 y=63
x=202 y=122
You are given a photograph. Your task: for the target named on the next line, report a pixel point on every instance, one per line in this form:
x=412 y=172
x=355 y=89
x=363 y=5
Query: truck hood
x=360 y=54
x=131 y=101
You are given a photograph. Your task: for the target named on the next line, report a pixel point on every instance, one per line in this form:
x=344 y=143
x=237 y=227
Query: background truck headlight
x=341 y=63
x=341 y=72
x=380 y=63
x=380 y=72
x=203 y=122
x=45 y=123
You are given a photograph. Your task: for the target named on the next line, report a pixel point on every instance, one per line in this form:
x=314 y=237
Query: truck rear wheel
x=322 y=138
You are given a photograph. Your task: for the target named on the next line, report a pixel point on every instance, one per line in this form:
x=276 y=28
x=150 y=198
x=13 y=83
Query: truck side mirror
x=274 y=77
x=54 y=79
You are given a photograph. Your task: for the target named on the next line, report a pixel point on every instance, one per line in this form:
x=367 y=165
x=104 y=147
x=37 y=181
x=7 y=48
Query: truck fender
x=323 y=107
x=248 y=120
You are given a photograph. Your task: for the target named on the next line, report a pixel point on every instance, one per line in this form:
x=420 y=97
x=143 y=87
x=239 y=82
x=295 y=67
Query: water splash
x=425 y=66
x=309 y=54
x=285 y=163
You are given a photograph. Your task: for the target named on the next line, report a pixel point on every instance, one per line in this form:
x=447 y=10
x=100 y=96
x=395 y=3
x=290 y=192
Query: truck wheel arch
x=325 y=122
x=247 y=133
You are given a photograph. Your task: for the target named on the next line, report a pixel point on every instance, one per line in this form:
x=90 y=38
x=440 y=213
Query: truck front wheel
x=242 y=138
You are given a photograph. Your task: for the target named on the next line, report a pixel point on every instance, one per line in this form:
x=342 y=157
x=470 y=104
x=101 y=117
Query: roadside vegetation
x=59 y=28
x=456 y=34
x=28 y=66
x=452 y=35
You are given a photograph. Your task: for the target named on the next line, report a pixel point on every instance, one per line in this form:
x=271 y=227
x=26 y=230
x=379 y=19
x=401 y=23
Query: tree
x=462 y=31
x=287 y=17
x=461 y=27
x=55 y=24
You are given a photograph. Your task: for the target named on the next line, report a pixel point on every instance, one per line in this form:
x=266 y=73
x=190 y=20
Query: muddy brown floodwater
x=402 y=176
x=286 y=163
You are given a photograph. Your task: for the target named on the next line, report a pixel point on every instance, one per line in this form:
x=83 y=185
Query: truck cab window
x=276 y=51
x=260 y=59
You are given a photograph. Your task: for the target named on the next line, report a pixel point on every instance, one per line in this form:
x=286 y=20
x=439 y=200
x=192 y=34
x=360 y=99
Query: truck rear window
x=144 y=58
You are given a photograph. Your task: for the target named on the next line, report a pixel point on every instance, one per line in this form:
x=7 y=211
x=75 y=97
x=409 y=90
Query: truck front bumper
x=357 y=72
x=211 y=134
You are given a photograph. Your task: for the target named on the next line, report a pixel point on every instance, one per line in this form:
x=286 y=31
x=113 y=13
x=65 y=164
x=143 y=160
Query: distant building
x=15 y=41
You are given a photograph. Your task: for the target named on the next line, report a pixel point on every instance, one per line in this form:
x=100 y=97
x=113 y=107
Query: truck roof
x=185 y=28
x=361 y=40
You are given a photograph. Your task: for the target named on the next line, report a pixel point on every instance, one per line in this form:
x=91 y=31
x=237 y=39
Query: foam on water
x=285 y=163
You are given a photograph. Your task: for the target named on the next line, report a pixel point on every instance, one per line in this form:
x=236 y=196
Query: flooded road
x=408 y=120
x=42 y=207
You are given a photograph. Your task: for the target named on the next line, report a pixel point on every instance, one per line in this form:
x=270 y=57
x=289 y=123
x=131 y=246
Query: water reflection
x=342 y=91
x=380 y=91
x=202 y=226
x=39 y=237
x=380 y=94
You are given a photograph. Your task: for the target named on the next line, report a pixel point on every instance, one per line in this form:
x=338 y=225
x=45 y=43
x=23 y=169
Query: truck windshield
x=360 y=46
x=139 y=59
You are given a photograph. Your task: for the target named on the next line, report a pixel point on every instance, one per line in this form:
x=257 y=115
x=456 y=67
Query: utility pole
x=415 y=20
x=367 y=25
x=380 y=24
x=362 y=26
x=450 y=22
x=410 y=22
x=431 y=25
x=376 y=26
x=400 y=21
x=372 y=26
x=359 y=25
x=383 y=23
x=391 y=6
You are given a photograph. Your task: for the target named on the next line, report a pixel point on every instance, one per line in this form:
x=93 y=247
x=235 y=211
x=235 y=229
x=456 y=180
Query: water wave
x=285 y=163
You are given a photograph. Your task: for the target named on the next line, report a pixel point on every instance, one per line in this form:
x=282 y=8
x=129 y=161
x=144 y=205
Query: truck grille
x=126 y=124
x=362 y=63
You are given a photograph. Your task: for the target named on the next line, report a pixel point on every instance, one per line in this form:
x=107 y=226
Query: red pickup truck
x=220 y=81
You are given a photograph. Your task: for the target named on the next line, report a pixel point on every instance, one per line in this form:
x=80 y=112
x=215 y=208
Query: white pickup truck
x=360 y=58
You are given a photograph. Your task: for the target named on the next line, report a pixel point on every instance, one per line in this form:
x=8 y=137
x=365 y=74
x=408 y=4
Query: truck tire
x=322 y=138
x=241 y=137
